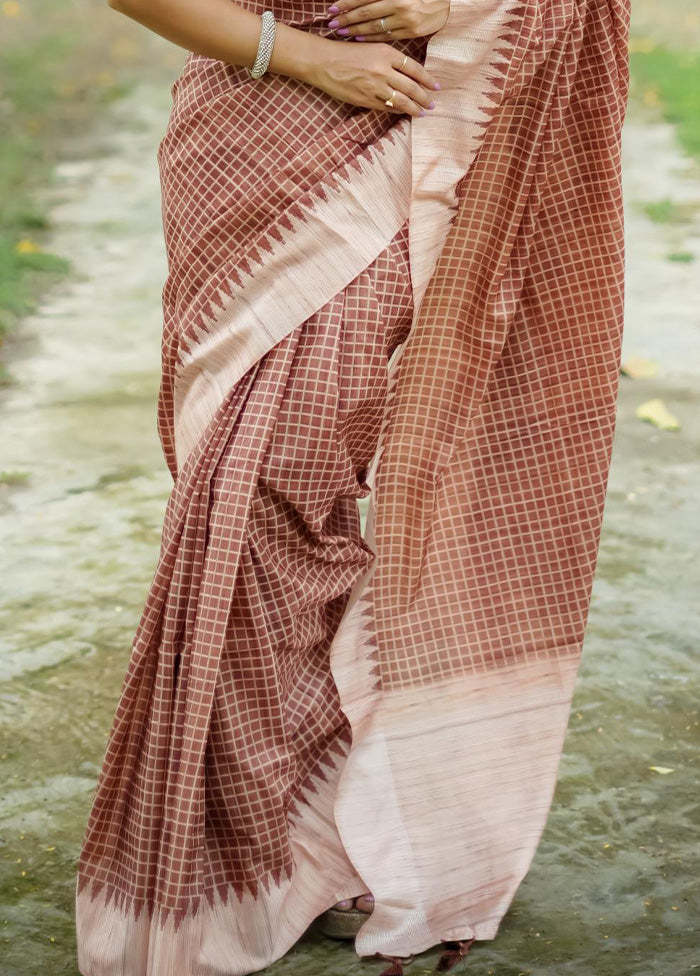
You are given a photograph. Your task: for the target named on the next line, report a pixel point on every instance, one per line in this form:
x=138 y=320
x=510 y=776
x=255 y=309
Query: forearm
x=223 y=30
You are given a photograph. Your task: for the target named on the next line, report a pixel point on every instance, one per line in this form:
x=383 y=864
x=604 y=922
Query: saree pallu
x=425 y=313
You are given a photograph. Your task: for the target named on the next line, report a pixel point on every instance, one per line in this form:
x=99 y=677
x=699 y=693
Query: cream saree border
x=412 y=172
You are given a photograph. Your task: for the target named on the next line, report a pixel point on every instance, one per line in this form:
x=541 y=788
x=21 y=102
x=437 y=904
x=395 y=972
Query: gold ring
x=390 y=101
x=403 y=63
x=387 y=30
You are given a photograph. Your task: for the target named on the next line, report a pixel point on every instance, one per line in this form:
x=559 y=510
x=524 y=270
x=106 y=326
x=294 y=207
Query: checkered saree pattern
x=358 y=306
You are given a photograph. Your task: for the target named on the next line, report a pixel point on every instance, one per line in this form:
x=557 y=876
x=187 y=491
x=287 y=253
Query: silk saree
x=421 y=317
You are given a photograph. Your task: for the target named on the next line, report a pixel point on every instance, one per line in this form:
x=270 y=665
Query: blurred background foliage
x=665 y=60
x=62 y=60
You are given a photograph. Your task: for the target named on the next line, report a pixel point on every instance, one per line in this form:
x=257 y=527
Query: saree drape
x=425 y=313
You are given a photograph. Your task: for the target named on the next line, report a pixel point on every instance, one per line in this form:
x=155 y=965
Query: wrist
x=296 y=53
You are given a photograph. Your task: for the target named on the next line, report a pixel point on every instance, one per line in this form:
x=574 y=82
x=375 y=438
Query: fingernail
x=437 y=85
x=358 y=38
x=334 y=23
x=370 y=899
x=334 y=9
x=343 y=30
x=421 y=113
x=432 y=105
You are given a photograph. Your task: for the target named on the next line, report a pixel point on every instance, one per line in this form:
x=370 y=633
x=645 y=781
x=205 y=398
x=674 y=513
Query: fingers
x=347 y=12
x=419 y=96
x=365 y=21
x=391 y=69
x=402 y=104
x=408 y=97
x=374 y=26
x=414 y=69
x=381 y=38
x=401 y=18
x=367 y=16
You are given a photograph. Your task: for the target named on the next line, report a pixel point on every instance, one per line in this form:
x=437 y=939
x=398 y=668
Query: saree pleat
x=428 y=317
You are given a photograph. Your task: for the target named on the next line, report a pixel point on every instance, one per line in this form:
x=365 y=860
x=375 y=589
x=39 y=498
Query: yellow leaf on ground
x=657 y=413
x=664 y=770
x=641 y=45
x=11 y=9
x=638 y=368
x=26 y=246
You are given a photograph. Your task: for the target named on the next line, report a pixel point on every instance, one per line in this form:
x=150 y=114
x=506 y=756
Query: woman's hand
x=360 y=74
x=403 y=18
x=367 y=76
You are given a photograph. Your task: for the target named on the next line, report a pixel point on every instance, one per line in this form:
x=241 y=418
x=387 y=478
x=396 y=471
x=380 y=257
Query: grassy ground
x=60 y=61
x=665 y=60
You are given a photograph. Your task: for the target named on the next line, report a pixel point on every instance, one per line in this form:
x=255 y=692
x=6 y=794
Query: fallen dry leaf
x=657 y=413
x=664 y=770
x=638 y=368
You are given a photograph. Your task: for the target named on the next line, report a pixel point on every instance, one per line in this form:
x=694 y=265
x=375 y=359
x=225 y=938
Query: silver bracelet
x=267 y=40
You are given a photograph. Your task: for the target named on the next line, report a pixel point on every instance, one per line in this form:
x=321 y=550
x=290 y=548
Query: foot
x=364 y=903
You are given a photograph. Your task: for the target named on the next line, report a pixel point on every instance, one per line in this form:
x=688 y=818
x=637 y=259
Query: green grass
x=13 y=477
x=665 y=212
x=32 y=63
x=22 y=277
x=60 y=61
x=681 y=257
x=672 y=78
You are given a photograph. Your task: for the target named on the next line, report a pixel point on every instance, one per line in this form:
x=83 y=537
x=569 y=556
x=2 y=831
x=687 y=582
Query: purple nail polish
x=334 y=23
x=422 y=113
x=343 y=31
x=432 y=105
x=358 y=38
x=437 y=85
x=333 y=10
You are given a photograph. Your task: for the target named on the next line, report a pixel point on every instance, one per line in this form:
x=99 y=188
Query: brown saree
x=425 y=313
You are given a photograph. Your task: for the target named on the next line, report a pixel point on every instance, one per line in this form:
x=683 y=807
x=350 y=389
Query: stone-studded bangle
x=267 y=40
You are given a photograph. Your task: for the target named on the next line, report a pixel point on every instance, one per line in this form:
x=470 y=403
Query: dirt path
x=613 y=889
x=80 y=537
